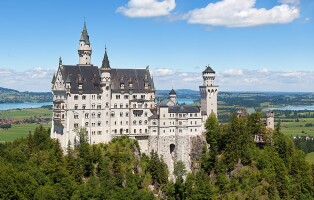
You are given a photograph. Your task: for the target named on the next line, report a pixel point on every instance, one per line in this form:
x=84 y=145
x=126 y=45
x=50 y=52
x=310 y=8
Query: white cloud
x=232 y=72
x=264 y=70
x=163 y=71
x=147 y=8
x=242 y=13
x=291 y=2
x=36 y=79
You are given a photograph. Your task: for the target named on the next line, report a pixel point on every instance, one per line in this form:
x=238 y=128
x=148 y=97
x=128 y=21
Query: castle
x=111 y=103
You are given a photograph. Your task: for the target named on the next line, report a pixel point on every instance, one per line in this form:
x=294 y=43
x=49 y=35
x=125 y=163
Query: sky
x=253 y=45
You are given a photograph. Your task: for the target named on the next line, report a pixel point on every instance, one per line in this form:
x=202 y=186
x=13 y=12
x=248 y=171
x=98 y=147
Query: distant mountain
x=7 y=90
x=13 y=96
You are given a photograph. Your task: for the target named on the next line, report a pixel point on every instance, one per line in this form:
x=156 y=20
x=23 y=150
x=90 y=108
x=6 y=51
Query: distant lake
x=9 y=106
x=291 y=107
x=185 y=100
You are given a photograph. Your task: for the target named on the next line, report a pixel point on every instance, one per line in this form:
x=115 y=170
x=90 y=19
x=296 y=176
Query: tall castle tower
x=106 y=91
x=270 y=120
x=209 y=92
x=84 y=50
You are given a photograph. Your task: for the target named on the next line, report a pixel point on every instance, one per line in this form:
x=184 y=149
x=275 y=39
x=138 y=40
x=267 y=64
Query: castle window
x=93 y=132
x=127 y=105
x=86 y=124
x=121 y=105
x=83 y=97
x=191 y=130
x=107 y=122
x=134 y=122
x=93 y=97
x=154 y=123
x=98 y=97
x=134 y=131
x=99 y=123
x=115 y=123
x=99 y=115
x=121 y=123
x=126 y=96
x=117 y=96
x=93 y=106
x=127 y=130
x=180 y=123
x=112 y=114
x=146 y=131
x=99 y=132
x=180 y=130
x=75 y=106
x=93 y=115
x=134 y=105
x=127 y=122
x=195 y=122
x=191 y=115
x=115 y=105
x=98 y=106
x=75 y=125
x=122 y=85
x=75 y=97
x=195 y=114
x=93 y=124
x=107 y=113
x=140 y=130
x=86 y=115
x=76 y=116
x=145 y=122
x=115 y=131
x=140 y=122
x=164 y=123
x=107 y=105
x=146 y=105
x=84 y=106
x=121 y=114
x=134 y=96
x=126 y=114
x=142 y=96
x=145 y=114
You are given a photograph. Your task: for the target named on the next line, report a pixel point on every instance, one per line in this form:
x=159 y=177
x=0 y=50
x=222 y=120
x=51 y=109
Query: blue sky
x=253 y=45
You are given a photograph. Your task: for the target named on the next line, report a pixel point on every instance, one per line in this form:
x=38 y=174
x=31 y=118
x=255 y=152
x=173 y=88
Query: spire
x=60 y=61
x=84 y=35
x=105 y=61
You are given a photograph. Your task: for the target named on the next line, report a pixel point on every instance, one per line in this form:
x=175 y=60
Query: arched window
x=93 y=115
x=121 y=114
x=99 y=115
x=134 y=122
x=140 y=122
x=86 y=124
x=145 y=122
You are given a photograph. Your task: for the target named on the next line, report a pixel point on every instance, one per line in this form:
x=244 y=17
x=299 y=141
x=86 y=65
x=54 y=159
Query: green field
x=21 y=114
x=310 y=157
x=18 y=131
x=298 y=128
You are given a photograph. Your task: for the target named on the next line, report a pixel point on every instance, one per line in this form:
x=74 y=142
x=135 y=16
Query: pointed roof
x=84 y=35
x=105 y=61
x=172 y=92
x=209 y=70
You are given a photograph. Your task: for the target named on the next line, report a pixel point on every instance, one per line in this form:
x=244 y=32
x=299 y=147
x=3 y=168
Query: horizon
x=176 y=38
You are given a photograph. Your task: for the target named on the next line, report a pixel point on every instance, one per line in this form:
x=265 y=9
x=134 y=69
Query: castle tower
x=270 y=120
x=84 y=50
x=209 y=92
x=106 y=93
x=173 y=96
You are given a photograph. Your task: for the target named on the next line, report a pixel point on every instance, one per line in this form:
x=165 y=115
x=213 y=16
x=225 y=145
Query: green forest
x=234 y=167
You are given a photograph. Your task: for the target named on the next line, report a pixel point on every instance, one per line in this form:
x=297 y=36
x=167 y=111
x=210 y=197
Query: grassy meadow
x=20 y=114
x=19 y=131
x=22 y=130
x=298 y=128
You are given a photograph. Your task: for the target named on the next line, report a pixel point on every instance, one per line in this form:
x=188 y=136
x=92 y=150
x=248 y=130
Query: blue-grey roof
x=184 y=109
x=172 y=92
x=208 y=70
